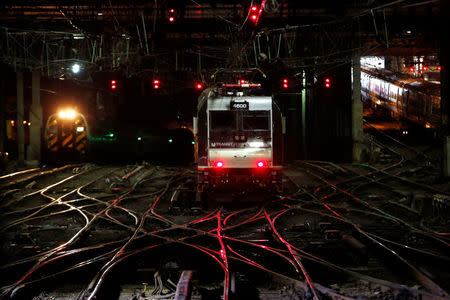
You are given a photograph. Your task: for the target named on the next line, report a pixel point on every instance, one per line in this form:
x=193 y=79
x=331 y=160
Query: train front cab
x=239 y=148
x=65 y=136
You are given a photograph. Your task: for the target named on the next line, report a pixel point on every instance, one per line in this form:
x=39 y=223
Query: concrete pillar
x=445 y=87
x=446 y=157
x=445 y=111
x=2 y=115
x=357 y=111
x=20 y=113
x=34 y=149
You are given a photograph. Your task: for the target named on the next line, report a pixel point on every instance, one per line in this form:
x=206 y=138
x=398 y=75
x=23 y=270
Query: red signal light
x=156 y=86
x=199 y=86
x=171 y=15
x=327 y=83
x=424 y=68
x=254 y=8
x=438 y=68
x=113 y=84
x=219 y=164
x=285 y=83
x=156 y=81
x=254 y=18
x=242 y=81
x=411 y=69
x=260 y=164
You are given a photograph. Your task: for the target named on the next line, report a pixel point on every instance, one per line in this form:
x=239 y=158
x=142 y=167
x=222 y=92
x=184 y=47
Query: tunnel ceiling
x=112 y=35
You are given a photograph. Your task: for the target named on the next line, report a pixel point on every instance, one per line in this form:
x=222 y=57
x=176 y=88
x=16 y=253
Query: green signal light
x=139 y=138
x=193 y=143
x=170 y=141
x=110 y=134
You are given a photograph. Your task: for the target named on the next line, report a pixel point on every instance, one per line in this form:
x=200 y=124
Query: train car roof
x=405 y=81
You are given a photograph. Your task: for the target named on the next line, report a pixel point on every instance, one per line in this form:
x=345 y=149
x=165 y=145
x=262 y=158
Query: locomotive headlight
x=256 y=144
x=62 y=114
x=70 y=114
x=67 y=114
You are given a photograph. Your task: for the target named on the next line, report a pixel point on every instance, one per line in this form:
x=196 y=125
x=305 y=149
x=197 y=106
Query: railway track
x=109 y=232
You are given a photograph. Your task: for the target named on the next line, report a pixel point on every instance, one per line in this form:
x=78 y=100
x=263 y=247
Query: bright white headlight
x=256 y=144
x=75 y=68
x=70 y=114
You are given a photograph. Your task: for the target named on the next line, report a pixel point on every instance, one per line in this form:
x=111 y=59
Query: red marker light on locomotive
x=439 y=68
x=411 y=69
x=219 y=164
x=425 y=68
x=260 y=164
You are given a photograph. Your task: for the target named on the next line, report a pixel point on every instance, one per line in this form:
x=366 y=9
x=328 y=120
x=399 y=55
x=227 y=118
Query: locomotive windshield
x=255 y=120
x=222 y=120
x=240 y=129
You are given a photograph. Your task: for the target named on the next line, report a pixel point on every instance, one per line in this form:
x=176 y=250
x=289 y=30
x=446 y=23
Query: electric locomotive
x=239 y=136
